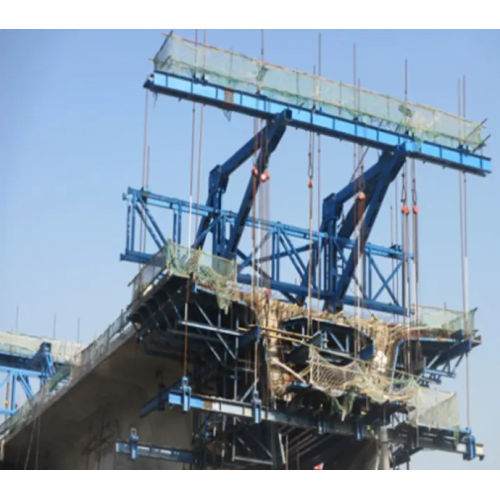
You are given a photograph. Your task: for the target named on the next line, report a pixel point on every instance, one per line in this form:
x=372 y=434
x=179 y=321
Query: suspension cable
x=142 y=228
x=415 y=211
x=362 y=207
x=310 y=175
x=318 y=284
x=404 y=235
x=200 y=144
x=464 y=255
x=191 y=170
x=355 y=211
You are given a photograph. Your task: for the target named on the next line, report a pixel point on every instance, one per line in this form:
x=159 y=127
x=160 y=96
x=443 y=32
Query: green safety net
x=428 y=407
x=215 y=273
x=238 y=72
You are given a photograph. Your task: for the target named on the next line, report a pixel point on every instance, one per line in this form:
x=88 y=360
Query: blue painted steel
x=44 y=362
x=133 y=442
x=14 y=377
x=470 y=444
x=219 y=175
x=19 y=370
x=284 y=247
x=186 y=394
x=155 y=452
x=445 y=440
x=444 y=357
x=314 y=120
x=218 y=348
x=273 y=135
x=390 y=165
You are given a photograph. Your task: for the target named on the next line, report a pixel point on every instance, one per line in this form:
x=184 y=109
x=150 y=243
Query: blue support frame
x=219 y=345
x=271 y=137
x=377 y=180
x=19 y=370
x=288 y=243
x=313 y=119
x=445 y=440
x=266 y=141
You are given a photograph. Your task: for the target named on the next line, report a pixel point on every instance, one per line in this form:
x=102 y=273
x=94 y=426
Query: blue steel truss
x=236 y=424
x=19 y=370
x=218 y=344
x=381 y=271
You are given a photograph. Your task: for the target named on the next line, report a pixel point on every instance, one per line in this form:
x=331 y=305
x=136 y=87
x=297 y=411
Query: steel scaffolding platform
x=269 y=382
x=253 y=425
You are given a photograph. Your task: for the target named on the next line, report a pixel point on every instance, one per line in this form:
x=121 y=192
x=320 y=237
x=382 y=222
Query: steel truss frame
x=236 y=424
x=17 y=371
x=237 y=406
x=382 y=267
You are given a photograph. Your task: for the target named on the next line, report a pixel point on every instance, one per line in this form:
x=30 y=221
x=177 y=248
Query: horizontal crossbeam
x=285 y=242
x=430 y=439
x=313 y=120
x=156 y=452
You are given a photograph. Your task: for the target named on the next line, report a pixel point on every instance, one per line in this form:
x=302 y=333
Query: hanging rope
x=310 y=175
x=200 y=144
x=355 y=213
x=405 y=211
x=37 y=450
x=415 y=211
x=256 y=173
x=146 y=186
x=191 y=170
x=32 y=435
x=142 y=227
x=462 y=190
x=361 y=207
x=318 y=284
x=396 y=237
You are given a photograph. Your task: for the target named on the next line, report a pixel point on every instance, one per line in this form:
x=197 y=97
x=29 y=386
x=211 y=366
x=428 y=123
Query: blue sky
x=71 y=139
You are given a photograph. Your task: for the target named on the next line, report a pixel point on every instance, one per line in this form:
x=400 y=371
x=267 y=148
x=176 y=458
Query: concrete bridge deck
x=78 y=427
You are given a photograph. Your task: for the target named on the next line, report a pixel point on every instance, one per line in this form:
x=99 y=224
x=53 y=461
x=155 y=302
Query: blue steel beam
x=315 y=120
x=155 y=452
x=273 y=136
x=281 y=234
x=19 y=370
x=391 y=165
x=332 y=209
x=219 y=175
x=13 y=377
x=430 y=439
x=182 y=206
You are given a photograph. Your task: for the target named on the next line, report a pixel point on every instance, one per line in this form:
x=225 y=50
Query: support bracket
x=185 y=394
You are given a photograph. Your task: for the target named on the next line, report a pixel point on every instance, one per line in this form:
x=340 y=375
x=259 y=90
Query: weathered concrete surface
x=80 y=427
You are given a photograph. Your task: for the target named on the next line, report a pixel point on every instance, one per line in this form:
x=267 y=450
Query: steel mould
x=255 y=429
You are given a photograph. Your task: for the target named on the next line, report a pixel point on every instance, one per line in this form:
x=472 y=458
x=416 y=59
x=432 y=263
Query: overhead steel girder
x=278 y=231
x=155 y=452
x=313 y=119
